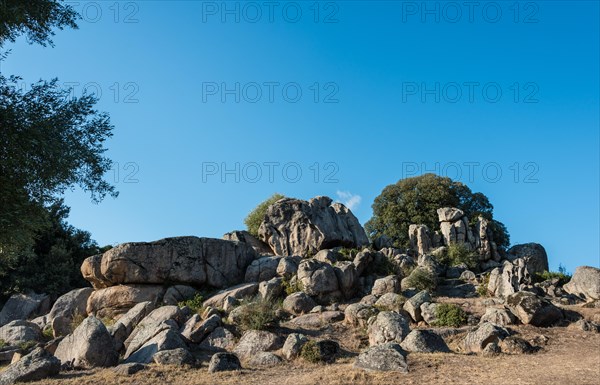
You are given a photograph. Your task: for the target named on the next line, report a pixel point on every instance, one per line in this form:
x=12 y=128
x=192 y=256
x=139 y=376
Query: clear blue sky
x=376 y=66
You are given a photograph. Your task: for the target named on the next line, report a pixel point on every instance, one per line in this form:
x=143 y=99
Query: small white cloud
x=348 y=199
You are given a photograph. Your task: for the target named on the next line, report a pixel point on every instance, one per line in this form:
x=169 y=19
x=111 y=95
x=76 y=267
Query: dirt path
x=571 y=357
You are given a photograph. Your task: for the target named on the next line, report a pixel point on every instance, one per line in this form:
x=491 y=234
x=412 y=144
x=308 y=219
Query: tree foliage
x=416 y=200
x=50 y=143
x=257 y=215
x=34 y=18
x=52 y=266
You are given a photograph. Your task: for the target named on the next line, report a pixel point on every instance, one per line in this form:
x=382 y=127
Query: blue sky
x=503 y=96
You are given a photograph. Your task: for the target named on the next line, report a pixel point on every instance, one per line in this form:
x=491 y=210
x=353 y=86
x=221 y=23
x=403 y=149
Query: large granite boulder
x=19 y=331
x=533 y=254
x=297 y=227
x=71 y=304
x=509 y=278
x=259 y=246
x=183 y=260
x=115 y=301
x=89 y=346
x=424 y=341
x=532 y=309
x=388 y=357
x=151 y=325
x=486 y=333
x=22 y=307
x=37 y=365
x=585 y=282
x=319 y=280
x=121 y=330
x=420 y=240
x=387 y=326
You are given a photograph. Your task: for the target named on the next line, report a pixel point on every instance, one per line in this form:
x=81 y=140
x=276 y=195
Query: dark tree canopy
x=416 y=200
x=52 y=265
x=49 y=143
x=34 y=18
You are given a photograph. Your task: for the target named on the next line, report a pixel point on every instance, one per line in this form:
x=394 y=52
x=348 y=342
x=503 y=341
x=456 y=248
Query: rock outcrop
x=182 y=260
x=532 y=309
x=585 y=282
x=297 y=227
x=37 y=365
x=533 y=254
x=508 y=279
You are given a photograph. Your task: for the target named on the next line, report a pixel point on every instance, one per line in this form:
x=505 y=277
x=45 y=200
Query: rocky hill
x=313 y=295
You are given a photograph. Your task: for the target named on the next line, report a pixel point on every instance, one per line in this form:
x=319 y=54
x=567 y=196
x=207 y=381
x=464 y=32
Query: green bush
x=3 y=344
x=291 y=287
x=450 y=315
x=311 y=352
x=416 y=200
x=48 y=332
x=347 y=254
x=421 y=279
x=258 y=314
x=256 y=216
x=26 y=346
x=482 y=289
x=458 y=253
x=196 y=303
x=561 y=274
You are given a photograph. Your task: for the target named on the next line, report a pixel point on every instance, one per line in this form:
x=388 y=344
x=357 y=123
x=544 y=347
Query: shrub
x=416 y=200
x=107 y=321
x=196 y=303
x=482 y=289
x=256 y=216
x=561 y=274
x=78 y=318
x=385 y=267
x=2 y=344
x=456 y=254
x=48 y=332
x=258 y=314
x=27 y=345
x=347 y=254
x=311 y=352
x=450 y=315
x=421 y=279
x=290 y=287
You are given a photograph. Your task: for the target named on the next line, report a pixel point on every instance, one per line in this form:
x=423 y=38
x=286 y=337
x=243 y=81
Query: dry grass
x=570 y=357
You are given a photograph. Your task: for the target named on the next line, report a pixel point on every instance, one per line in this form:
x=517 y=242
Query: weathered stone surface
x=89 y=346
x=121 y=330
x=516 y=345
x=585 y=282
x=262 y=269
x=382 y=242
x=184 y=260
x=347 y=278
x=387 y=357
x=485 y=334
x=389 y=284
x=420 y=240
x=424 y=341
x=238 y=292
x=271 y=289
x=177 y=357
x=533 y=254
x=387 y=327
x=468 y=276
x=259 y=247
x=413 y=305
x=22 y=307
x=129 y=369
x=158 y=320
x=219 y=339
x=390 y=302
x=167 y=338
x=491 y=350
x=264 y=359
x=319 y=280
x=221 y=362
x=115 y=301
x=429 y=312
x=509 y=279
x=358 y=314
x=297 y=227
x=71 y=304
x=501 y=317
x=298 y=303
x=327 y=255
x=196 y=330
x=364 y=260
x=254 y=341
x=317 y=320
x=37 y=365
x=179 y=293
x=532 y=309
x=449 y=214
x=91 y=269
x=293 y=345
x=19 y=331
x=288 y=266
